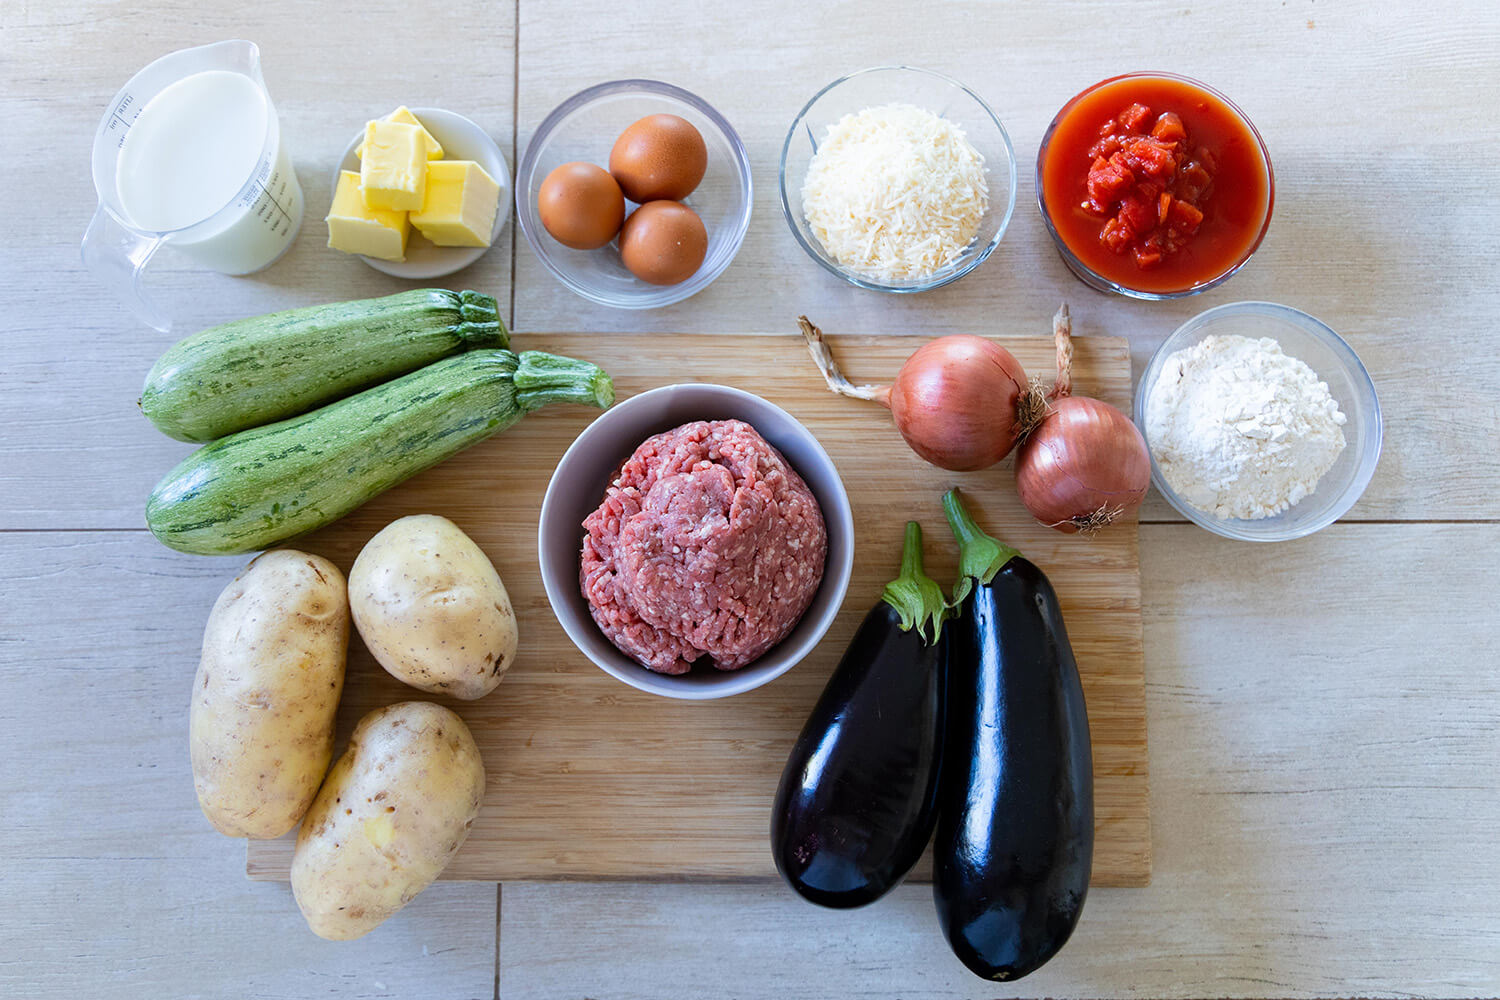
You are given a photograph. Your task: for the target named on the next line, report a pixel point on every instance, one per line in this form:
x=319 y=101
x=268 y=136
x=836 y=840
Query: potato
x=431 y=608
x=389 y=818
x=260 y=725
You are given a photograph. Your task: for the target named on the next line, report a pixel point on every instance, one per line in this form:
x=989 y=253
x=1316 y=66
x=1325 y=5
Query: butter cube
x=393 y=172
x=460 y=206
x=353 y=228
x=405 y=117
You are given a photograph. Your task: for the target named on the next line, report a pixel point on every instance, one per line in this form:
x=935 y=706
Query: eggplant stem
x=917 y=597
x=980 y=556
x=823 y=358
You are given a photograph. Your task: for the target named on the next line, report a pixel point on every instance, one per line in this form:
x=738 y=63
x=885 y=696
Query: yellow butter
x=393 y=172
x=353 y=228
x=460 y=206
x=405 y=117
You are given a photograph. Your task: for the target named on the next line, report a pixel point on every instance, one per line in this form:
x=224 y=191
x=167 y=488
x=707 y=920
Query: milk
x=188 y=156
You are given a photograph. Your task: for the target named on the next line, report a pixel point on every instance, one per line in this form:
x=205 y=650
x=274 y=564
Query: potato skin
x=431 y=608
x=392 y=813
x=261 y=719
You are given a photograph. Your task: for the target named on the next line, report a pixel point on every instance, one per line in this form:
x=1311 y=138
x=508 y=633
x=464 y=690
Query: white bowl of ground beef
x=696 y=541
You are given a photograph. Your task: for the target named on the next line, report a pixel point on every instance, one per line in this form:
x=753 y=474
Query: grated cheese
x=895 y=193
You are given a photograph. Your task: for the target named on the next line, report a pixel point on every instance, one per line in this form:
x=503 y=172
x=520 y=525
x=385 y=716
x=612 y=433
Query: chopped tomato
x=1154 y=183
x=1135 y=117
x=1107 y=183
x=1107 y=146
x=1138 y=215
x=1117 y=236
x=1157 y=160
x=1146 y=186
x=1193 y=181
x=1168 y=128
x=1185 y=218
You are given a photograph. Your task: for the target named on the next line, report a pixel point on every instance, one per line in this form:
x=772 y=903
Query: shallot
x=1085 y=464
x=956 y=400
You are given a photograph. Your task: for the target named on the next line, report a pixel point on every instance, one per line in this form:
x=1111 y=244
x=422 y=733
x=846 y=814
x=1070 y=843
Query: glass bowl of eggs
x=634 y=193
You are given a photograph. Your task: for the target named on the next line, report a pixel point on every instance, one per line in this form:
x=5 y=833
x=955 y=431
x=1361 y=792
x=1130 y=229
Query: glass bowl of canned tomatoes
x=1154 y=186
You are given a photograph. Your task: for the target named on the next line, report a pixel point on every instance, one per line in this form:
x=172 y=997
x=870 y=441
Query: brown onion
x=955 y=400
x=1083 y=467
x=1086 y=463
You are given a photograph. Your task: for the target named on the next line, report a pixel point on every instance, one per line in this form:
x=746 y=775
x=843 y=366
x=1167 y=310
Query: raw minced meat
x=707 y=544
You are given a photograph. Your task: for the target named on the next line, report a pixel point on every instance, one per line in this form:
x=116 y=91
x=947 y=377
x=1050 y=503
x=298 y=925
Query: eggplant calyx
x=980 y=556
x=917 y=597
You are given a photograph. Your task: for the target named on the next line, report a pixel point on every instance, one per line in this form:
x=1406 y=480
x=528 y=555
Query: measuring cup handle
x=117 y=256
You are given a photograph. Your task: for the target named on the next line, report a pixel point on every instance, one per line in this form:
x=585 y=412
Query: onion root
x=1093 y=521
x=1083 y=463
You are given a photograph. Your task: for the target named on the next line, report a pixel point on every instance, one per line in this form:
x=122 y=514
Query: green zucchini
x=266 y=368
x=265 y=485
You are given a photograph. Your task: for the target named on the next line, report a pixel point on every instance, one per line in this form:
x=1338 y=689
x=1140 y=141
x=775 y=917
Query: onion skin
x=954 y=402
x=1085 y=465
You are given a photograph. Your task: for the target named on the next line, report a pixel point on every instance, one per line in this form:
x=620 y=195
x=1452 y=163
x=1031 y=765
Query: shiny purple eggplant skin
x=857 y=801
x=1015 y=837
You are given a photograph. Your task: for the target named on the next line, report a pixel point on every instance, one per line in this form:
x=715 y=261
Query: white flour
x=1239 y=429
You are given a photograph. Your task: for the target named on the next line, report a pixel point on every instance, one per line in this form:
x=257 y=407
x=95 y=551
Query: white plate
x=461 y=140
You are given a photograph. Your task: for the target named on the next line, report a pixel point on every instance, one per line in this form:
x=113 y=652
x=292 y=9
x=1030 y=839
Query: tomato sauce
x=1155 y=183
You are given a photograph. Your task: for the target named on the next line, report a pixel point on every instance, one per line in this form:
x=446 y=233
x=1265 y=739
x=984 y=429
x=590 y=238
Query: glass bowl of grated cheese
x=898 y=179
x=1262 y=423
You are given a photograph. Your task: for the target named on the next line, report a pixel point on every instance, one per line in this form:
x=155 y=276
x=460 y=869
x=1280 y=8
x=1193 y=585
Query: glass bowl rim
x=977 y=256
x=1373 y=428
x=657 y=296
x=1110 y=284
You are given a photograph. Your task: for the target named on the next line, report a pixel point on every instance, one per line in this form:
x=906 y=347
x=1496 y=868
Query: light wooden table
x=1324 y=715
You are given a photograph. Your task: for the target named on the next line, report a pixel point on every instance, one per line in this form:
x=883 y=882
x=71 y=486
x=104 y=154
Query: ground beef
x=707 y=544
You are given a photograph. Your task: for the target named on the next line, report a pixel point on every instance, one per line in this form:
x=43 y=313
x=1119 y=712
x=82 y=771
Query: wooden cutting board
x=590 y=779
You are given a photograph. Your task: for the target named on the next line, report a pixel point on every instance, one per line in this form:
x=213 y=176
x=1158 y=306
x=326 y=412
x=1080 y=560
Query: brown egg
x=581 y=206
x=659 y=157
x=663 y=242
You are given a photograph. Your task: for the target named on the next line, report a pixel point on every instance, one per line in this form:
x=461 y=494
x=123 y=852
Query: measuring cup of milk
x=190 y=155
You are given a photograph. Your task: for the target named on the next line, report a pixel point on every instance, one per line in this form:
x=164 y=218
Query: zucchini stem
x=980 y=555
x=480 y=324
x=543 y=378
x=917 y=597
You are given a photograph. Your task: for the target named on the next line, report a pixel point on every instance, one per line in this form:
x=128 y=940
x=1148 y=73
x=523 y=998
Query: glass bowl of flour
x=1262 y=423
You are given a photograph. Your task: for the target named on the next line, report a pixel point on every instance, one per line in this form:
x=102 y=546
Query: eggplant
x=857 y=801
x=1015 y=836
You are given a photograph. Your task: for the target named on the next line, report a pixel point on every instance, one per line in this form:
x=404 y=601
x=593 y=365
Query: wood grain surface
x=1323 y=737
x=591 y=779
x=1323 y=815
x=115 y=884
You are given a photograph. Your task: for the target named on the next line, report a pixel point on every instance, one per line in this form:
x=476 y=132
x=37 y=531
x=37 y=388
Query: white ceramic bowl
x=1308 y=340
x=461 y=140
x=578 y=485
